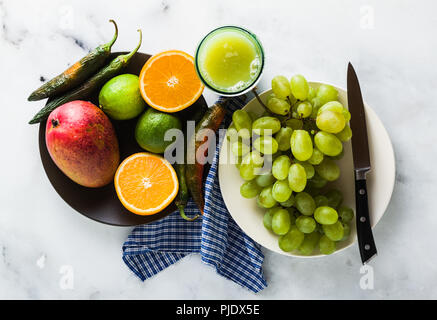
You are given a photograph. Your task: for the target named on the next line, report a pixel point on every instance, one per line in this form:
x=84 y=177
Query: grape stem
x=258 y=98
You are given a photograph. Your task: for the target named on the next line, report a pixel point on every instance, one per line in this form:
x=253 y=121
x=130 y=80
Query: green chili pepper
x=183 y=194
x=77 y=73
x=87 y=88
x=194 y=171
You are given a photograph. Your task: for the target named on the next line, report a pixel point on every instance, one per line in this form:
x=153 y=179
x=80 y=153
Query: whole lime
x=151 y=128
x=120 y=97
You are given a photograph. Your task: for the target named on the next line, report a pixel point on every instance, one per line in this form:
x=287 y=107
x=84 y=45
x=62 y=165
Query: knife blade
x=361 y=158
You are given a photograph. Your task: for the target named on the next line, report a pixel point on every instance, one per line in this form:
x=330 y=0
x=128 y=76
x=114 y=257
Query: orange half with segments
x=146 y=183
x=169 y=82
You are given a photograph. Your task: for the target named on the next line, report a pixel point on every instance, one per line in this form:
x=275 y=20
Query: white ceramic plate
x=380 y=181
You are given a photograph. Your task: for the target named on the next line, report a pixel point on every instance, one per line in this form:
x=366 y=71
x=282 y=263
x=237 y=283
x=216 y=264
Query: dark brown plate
x=102 y=204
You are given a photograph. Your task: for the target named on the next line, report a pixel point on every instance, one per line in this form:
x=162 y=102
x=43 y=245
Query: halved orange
x=169 y=82
x=146 y=183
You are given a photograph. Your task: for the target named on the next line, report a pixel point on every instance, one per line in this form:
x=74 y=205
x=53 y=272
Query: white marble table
x=392 y=45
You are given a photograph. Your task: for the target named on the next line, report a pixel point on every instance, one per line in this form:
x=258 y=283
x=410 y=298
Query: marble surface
x=392 y=45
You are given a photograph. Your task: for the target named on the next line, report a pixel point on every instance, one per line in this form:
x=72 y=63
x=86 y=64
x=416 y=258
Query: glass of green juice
x=229 y=60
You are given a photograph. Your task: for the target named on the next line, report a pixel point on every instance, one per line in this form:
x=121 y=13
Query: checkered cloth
x=221 y=243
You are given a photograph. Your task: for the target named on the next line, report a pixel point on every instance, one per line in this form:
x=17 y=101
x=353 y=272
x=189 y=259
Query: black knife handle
x=364 y=229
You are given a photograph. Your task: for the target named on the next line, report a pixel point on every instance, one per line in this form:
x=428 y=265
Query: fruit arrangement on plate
x=98 y=114
x=287 y=156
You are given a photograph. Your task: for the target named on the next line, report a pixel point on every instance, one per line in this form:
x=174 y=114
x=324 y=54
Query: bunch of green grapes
x=287 y=156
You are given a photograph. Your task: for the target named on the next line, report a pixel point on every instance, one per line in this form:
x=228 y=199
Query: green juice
x=229 y=60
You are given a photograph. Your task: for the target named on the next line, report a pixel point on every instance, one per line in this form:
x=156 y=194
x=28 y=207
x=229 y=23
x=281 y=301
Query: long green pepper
x=77 y=73
x=183 y=194
x=87 y=88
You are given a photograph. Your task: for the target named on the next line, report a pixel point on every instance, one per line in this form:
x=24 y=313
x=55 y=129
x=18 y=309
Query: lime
x=151 y=128
x=120 y=97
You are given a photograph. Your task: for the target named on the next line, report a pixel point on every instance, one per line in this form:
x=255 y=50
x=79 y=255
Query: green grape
x=321 y=201
x=283 y=137
x=281 y=222
x=346 y=114
x=265 y=179
x=294 y=124
x=281 y=166
x=328 y=143
x=346 y=231
x=299 y=87
x=316 y=106
x=345 y=134
x=325 y=215
x=317 y=181
x=289 y=202
x=239 y=148
x=267 y=219
x=266 y=125
x=304 y=109
x=297 y=178
x=271 y=95
x=334 y=231
x=266 y=144
x=291 y=240
x=306 y=224
x=247 y=171
x=311 y=93
x=305 y=203
x=330 y=121
x=335 y=198
x=346 y=214
x=281 y=191
x=266 y=199
x=338 y=156
x=311 y=190
x=328 y=170
x=309 y=243
x=331 y=106
x=326 y=245
x=326 y=93
x=254 y=158
x=301 y=145
x=316 y=158
x=250 y=189
x=336 y=107
x=278 y=106
x=232 y=133
x=309 y=169
x=293 y=212
x=243 y=123
x=281 y=87
x=249 y=165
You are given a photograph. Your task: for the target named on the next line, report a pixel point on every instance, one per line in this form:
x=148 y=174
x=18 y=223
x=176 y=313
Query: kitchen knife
x=360 y=149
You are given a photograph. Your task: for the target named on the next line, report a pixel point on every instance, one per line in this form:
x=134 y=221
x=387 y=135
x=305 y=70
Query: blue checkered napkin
x=221 y=243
